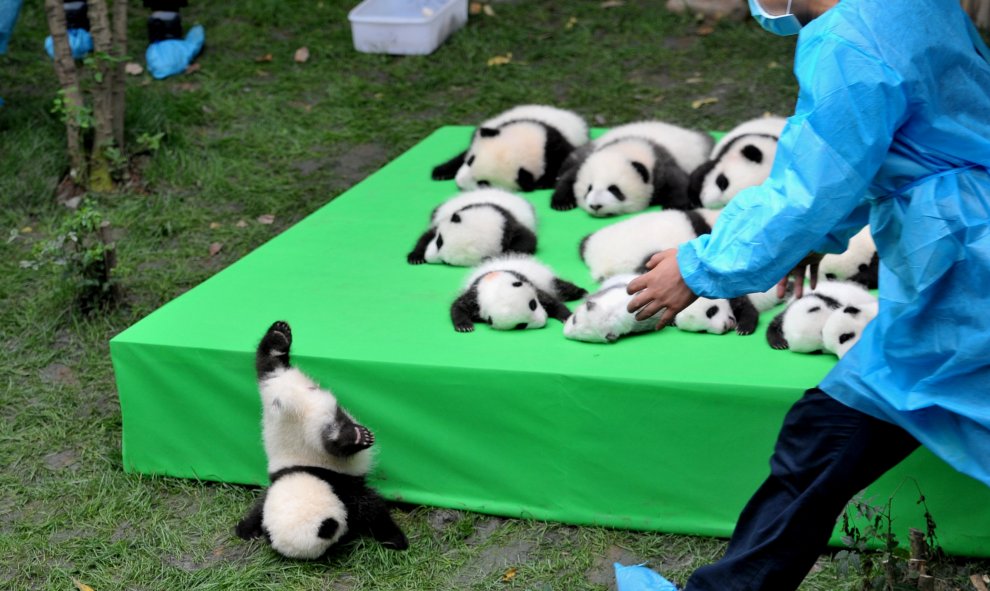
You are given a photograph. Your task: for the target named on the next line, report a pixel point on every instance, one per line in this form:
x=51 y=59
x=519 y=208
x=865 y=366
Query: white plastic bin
x=405 y=27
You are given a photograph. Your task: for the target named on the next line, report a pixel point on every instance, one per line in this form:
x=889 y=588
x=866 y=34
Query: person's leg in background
x=825 y=454
x=169 y=51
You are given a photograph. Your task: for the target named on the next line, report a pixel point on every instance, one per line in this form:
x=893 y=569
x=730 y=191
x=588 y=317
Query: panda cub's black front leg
x=250 y=526
x=343 y=437
x=273 y=350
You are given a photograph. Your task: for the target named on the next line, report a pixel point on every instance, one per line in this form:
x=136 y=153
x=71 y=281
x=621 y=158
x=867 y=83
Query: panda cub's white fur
x=844 y=327
x=520 y=149
x=630 y=168
x=512 y=292
x=318 y=457
x=621 y=247
x=741 y=159
x=603 y=318
x=800 y=326
x=471 y=227
x=858 y=263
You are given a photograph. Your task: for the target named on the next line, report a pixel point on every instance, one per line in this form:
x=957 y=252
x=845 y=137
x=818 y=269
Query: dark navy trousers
x=825 y=454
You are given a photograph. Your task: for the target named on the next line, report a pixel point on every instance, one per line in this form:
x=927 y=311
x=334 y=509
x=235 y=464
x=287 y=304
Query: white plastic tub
x=406 y=27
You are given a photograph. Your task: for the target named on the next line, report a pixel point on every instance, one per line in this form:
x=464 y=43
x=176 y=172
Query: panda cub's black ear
x=488 y=131
x=641 y=169
x=753 y=153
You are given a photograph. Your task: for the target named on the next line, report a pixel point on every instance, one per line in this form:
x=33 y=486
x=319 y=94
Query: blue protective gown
x=892 y=128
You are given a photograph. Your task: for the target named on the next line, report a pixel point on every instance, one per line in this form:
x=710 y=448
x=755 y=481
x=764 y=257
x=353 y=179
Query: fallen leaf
x=509 y=574
x=302 y=55
x=475 y=8
x=979 y=583
x=215 y=225
x=191 y=68
x=694 y=80
x=187 y=86
x=703 y=101
x=488 y=10
x=241 y=224
x=215 y=249
x=612 y=4
x=81 y=586
x=774 y=65
x=27 y=230
x=705 y=30
x=133 y=68
x=266 y=219
x=570 y=23
x=265 y=58
x=500 y=60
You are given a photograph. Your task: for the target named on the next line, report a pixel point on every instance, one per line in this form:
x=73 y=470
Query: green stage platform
x=665 y=431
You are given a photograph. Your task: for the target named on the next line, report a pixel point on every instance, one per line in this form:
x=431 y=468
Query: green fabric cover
x=665 y=431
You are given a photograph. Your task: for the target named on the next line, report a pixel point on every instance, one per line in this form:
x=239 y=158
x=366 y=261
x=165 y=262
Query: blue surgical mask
x=784 y=24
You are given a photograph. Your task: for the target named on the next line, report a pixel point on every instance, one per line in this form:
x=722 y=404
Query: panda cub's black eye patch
x=711 y=312
x=752 y=153
x=470 y=160
x=617 y=192
x=484 y=184
x=845 y=337
x=439 y=241
x=517 y=284
x=589 y=189
x=532 y=305
x=721 y=182
x=456 y=218
x=815 y=309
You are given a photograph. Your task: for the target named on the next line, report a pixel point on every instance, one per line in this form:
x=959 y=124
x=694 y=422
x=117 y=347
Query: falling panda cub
x=858 y=263
x=512 y=292
x=474 y=226
x=630 y=168
x=318 y=457
x=741 y=159
x=801 y=326
x=521 y=149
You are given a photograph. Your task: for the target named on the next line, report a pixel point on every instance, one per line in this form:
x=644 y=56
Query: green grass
x=245 y=138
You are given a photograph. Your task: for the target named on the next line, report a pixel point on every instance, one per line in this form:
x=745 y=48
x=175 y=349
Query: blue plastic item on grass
x=80 y=41
x=8 y=17
x=172 y=56
x=640 y=578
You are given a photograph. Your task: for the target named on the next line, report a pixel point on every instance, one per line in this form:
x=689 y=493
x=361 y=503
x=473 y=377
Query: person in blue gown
x=891 y=129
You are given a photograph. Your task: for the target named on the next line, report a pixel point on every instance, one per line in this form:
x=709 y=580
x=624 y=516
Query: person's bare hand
x=798 y=273
x=660 y=288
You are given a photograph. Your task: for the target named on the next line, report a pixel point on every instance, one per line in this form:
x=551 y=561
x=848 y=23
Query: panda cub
x=800 y=326
x=742 y=158
x=318 y=457
x=844 y=327
x=621 y=247
x=630 y=168
x=859 y=263
x=474 y=226
x=512 y=292
x=521 y=149
x=603 y=317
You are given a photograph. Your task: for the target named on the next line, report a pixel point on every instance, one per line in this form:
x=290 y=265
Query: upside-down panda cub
x=318 y=457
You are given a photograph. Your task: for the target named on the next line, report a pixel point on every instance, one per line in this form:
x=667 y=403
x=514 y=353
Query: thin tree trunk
x=68 y=78
x=99 y=165
x=119 y=77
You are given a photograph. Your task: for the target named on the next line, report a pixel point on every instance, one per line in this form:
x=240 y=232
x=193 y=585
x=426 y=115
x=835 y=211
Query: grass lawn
x=247 y=136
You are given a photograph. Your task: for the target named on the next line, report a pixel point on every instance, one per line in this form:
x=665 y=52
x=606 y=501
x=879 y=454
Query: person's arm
x=848 y=111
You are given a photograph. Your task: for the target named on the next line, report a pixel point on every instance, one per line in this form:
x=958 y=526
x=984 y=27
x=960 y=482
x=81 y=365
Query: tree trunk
x=68 y=78
x=979 y=11
x=99 y=165
x=119 y=78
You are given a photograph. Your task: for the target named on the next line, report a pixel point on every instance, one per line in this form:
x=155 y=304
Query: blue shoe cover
x=80 y=41
x=172 y=56
x=640 y=578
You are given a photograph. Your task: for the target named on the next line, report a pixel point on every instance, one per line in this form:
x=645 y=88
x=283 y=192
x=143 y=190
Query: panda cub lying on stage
x=521 y=149
x=474 y=226
x=318 y=457
x=800 y=327
x=621 y=247
x=742 y=158
x=859 y=263
x=512 y=292
x=630 y=168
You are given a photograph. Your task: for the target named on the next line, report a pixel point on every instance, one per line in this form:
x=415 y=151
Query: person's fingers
x=782 y=288
x=638 y=301
x=799 y=284
x=656 y=258
x=814 y=275
x=649 y=310
x=636 y=285
x=665 y=319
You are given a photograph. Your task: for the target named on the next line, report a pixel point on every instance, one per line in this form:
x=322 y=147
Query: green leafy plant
x=82 y=249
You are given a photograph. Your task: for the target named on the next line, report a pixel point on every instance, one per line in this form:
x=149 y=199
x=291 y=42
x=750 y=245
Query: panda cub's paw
x=273 y=350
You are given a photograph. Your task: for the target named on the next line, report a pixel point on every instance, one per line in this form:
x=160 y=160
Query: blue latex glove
x=80 y=41
x=640 y=578
x=172 y=56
